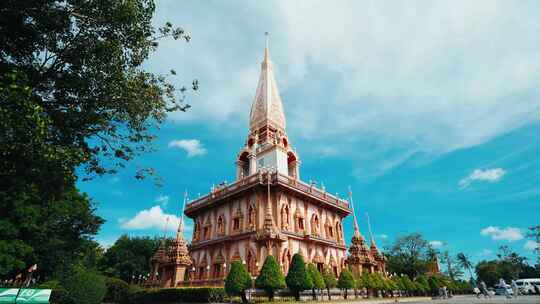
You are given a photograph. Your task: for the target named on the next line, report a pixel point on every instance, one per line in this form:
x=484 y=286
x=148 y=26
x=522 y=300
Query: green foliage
x=270 y=277
x=85 y=286
x=178 y=295
x=238 y=280
x=59 y=294
x=74 y=99
x=329 y=278
x=128 y=257
x=423 y=284
x=407 y=283
x=346 y=280
x=410 y=254
x=298 y=278
x=316 y=277
x=117 y=290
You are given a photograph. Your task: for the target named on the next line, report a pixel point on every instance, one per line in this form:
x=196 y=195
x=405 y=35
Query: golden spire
x=180 y=231
x=372 y=239
x=356 y=229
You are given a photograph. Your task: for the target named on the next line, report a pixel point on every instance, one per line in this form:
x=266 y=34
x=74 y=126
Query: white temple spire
x=267 y=108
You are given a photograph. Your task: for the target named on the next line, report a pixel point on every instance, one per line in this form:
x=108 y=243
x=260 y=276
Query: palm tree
x=465 y=262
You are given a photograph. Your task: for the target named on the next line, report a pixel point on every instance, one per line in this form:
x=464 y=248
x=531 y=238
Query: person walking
x=515 y=288
x=502 y=284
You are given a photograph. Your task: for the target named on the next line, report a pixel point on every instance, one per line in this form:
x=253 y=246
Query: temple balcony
x=292 y=185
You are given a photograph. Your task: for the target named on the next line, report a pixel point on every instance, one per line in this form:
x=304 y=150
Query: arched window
x=291 y=164
x=221 y=225
x=339 y=233
x=315 y=224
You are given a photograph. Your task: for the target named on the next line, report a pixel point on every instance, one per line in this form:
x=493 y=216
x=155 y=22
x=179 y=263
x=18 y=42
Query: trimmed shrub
x=298 y=279
x=237 y=281
x=316 y=278
x=117 y=290
x=270 y=278
x=329 y=281
x=177 y=295
x=85 y=287
x=59 y=293
x=345 y=281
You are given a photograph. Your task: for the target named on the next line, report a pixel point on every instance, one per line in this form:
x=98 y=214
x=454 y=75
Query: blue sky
x=431 y=113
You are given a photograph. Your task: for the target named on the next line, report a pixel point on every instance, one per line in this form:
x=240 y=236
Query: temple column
x=252 y=164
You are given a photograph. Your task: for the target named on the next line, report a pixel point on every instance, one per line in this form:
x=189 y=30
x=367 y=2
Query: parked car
x=503 y=290
x=528 y=286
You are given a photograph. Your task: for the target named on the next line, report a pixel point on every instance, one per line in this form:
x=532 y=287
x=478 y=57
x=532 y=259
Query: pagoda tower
x=268 y=209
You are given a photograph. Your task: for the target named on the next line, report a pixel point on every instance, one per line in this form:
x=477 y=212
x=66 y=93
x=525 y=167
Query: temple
x=267 y=210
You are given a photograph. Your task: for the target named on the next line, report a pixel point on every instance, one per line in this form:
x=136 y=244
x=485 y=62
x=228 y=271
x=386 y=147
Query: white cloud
x=436 y=244
x=193 y=147
x=383 y=236
x=485 y=252
x=162 y=200
x=487 y=175
x=510 y=234
x=153 y=218
x=467 y=70
x=531 y=245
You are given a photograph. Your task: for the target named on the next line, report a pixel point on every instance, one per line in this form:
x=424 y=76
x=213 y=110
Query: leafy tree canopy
x=129 y=257
x=410 y=254
x=346 y=280
x=74 y=100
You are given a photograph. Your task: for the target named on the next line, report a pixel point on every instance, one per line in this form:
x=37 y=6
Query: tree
x=329 y=281
x=423 y=284
x=316 y=278
x=534 y=234
x=345 y=281
x=129 y=257
x=410 y=255
x=298 y=278
x=74 y=100
x=238 y=280
x=270 y=278
x=452 y=266
x=465 y=262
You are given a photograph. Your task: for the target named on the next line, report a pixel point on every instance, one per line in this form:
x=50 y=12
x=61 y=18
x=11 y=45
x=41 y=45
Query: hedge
x=177 y=295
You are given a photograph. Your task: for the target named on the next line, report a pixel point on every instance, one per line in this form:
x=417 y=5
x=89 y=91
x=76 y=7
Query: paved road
x=493 y=300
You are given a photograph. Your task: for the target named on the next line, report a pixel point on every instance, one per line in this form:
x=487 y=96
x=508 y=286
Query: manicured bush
x=270 y=278
x=85 y=286
x=298 y=279
x=237 y=281
x=117 y=290
x=316 y=278
x=345 y=281
x=177 y=295
x=329 y=281
x=59 y=293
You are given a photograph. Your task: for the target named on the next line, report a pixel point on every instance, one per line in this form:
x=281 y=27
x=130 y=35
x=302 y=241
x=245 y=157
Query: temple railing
x=261 y=178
